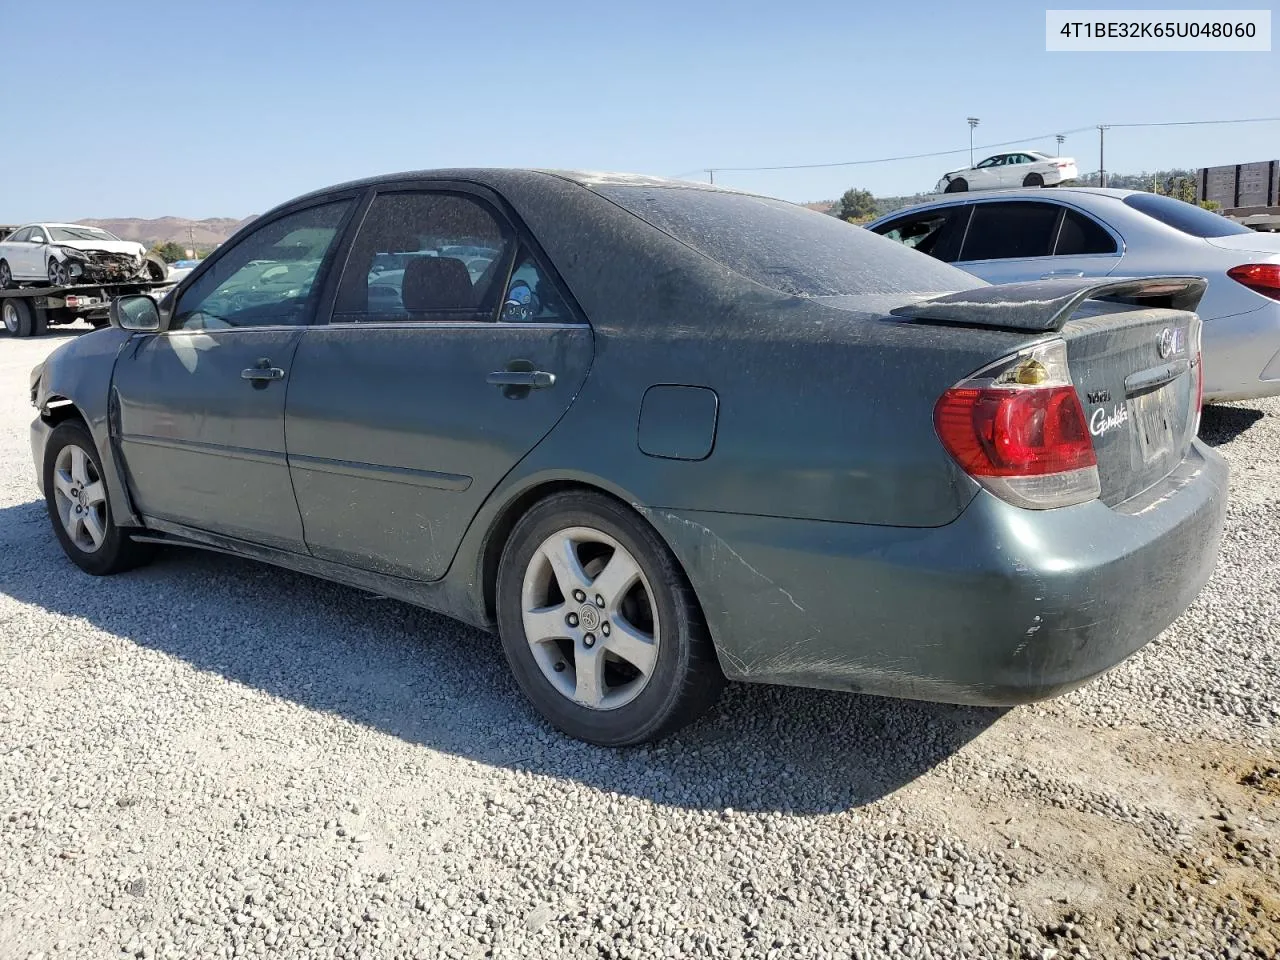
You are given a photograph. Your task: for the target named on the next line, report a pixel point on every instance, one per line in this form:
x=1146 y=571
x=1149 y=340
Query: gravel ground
x=212 y=758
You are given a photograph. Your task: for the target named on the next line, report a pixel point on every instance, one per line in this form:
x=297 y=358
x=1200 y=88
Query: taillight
x=1018 y=428
x=1263 y=278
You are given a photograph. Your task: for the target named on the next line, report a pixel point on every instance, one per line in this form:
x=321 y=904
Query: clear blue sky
x=223 y=109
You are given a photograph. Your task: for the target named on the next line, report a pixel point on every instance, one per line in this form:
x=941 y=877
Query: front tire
x=958 y=185
x=6 y=275
x=155 y=269
x=599 y=624
x=59 y=275
x=76 y=498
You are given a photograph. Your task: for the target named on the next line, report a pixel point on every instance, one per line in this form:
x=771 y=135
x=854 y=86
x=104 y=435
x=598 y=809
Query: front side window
x=424 y=256
x=936 y=233
x=267 y=278
x=1010 y=231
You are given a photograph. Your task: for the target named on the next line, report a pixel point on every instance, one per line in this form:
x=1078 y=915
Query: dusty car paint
x=830 y=538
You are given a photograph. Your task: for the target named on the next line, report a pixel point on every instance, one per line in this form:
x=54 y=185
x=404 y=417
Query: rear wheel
x=59 y=275
x=1033 y=180
x=599 y=624
x=6 y=275
x=76 y=497
x=958 y=185
x=19 y=317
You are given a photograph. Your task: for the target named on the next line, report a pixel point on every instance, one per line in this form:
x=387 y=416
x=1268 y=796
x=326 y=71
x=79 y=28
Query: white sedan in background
x=62 y=254
x=1027 y=168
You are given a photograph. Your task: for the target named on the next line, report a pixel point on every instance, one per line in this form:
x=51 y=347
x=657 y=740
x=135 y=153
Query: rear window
x=786 y=247
x=1190 y=219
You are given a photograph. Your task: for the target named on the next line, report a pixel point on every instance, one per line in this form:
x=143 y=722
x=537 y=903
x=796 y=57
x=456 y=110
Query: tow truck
x=28 y=310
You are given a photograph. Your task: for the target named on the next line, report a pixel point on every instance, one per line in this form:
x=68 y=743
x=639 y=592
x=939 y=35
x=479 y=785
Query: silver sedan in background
x=1090 y=232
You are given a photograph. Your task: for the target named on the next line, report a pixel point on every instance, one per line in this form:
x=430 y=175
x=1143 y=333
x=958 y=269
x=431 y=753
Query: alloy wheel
x=80 y=498
x=589 y=618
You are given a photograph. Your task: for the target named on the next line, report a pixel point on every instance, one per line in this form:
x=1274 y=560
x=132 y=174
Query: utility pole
x=712 y=174
x=973 y=122
x=191 y=239
x=1102 y=156
x=1059 y=137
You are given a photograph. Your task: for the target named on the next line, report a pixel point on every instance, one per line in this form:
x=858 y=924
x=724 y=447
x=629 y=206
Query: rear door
x=434 y=376
x=201 y=405
x=1012 y=240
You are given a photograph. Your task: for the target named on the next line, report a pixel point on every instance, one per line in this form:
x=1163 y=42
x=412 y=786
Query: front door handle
x=262 y=372
x=1057 y=274
x=532 y=379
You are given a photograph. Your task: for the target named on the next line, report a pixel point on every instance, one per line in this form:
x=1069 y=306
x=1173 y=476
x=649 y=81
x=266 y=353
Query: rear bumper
x=1002 y=606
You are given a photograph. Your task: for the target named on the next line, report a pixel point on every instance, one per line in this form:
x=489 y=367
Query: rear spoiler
x=1042 y=306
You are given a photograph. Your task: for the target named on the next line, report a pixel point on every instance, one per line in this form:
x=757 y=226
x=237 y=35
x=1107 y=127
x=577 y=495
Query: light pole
x=1102 y=157
x=973 y=122
x=1060 y=138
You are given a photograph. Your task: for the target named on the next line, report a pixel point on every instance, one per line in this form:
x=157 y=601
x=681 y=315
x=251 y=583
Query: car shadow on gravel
x=432 y=681
x=1221 y=424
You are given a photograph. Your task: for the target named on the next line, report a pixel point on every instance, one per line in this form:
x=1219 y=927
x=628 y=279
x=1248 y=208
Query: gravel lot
x=212 y=758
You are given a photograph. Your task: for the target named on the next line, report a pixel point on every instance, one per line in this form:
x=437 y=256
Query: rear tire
x=958 y=185
x=6 y=275
x=75 y=495
x=635 y=619
x=1033 y=180
x=18 y=316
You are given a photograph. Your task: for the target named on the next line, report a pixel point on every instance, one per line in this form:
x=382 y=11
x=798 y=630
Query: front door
x=449 y=354
x=201 y=405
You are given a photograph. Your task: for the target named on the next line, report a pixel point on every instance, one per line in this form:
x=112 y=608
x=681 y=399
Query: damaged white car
x=63 y=254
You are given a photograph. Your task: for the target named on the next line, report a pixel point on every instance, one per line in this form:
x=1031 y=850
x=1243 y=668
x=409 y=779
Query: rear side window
x=424 y=256
x=784 y=246
x=1007 y=231
x=1082 y=236
x=1190 y=219
x=935 y=232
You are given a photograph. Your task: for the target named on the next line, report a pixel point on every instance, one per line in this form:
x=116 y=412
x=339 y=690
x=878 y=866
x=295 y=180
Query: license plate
x=1153 y=419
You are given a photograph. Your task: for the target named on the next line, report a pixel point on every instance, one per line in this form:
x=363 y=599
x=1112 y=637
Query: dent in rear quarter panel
x=81 y=371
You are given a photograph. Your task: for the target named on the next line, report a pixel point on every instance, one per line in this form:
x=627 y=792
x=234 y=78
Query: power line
x=912 y=156
x=989 y=146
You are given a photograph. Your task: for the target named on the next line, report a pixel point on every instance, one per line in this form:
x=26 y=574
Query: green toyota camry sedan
x=656 y=435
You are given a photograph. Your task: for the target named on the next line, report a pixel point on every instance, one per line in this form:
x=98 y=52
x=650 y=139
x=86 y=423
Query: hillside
x=203 y=233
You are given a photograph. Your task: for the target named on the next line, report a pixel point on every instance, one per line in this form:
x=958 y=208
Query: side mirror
x=137 y=313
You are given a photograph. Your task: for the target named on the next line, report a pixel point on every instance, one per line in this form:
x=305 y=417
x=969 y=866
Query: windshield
x=1190 y=219
x=79 y=233
x=787 y=247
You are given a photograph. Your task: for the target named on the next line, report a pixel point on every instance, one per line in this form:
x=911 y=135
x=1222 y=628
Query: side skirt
x=440 y=596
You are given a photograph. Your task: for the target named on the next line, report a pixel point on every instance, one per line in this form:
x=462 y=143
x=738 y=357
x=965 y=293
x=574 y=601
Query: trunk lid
x=1252 y=242
x=1136 y=373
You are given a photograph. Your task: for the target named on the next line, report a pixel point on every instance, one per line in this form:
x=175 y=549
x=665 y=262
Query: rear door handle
x=532 y=379
x=262 y=371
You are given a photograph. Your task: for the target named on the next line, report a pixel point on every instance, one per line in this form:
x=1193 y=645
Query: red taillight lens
x=1263 y=278
x=995 y=432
